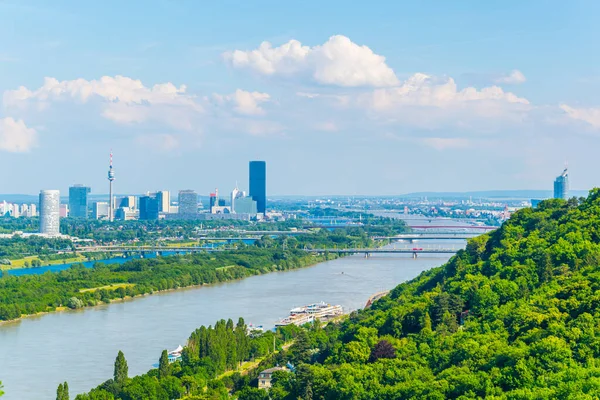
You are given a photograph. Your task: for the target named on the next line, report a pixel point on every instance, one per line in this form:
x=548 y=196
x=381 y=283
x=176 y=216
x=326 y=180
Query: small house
x=264 y=378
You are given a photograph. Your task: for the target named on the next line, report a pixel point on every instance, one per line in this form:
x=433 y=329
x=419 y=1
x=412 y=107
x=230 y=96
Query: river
x=38 y=353
x=79 y=347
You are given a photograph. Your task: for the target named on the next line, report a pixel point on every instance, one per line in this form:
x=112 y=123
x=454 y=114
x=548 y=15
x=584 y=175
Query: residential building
x=265 y=377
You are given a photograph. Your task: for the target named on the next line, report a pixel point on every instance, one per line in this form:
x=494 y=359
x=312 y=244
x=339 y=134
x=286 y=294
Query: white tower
x=111 y=178
x=50 y=212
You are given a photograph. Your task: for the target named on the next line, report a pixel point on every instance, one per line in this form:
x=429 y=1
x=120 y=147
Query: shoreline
x=61 y=309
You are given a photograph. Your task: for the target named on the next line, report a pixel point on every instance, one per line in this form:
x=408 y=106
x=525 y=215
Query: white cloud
x=159 y=142
x=339 y=61
x=124 y=100
x=245 y=103
x=15 y=136
x=514 y=78
x=589 y=115
x=423 y=90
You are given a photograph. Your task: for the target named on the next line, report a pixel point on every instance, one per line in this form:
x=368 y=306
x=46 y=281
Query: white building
x=50 y=212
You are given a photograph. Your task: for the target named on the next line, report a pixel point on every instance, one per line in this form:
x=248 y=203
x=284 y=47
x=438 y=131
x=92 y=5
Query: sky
x=338 y=97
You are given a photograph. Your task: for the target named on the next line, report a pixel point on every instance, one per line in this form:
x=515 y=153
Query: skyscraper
x=258 y=184
x=148 y=207
x=561 y=185
x=50 y=212
x=78 y=201
x=164 y=201
x=188 y=203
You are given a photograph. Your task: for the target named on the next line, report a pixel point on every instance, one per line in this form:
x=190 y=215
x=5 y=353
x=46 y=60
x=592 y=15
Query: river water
x=38 y=353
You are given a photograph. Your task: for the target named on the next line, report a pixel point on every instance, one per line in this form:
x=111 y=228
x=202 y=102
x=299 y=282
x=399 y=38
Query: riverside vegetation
x=513 y=316
x=79 y=286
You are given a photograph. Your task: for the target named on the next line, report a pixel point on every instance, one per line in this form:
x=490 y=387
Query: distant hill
x=495 y=194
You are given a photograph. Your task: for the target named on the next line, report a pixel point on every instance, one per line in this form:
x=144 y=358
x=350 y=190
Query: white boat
x=305 y=314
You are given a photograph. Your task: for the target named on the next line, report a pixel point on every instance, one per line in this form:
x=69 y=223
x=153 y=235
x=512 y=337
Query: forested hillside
x=516 y=315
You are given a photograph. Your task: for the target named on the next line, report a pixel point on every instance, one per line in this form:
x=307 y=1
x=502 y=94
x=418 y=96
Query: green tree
x=164 y=369
x=121 y=370
x=62 y=392
x=1 y=387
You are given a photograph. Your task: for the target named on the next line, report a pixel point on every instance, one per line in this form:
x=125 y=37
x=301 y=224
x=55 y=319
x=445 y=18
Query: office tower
x=78 y=201
x=126 y=201
x=188 y=203
x=164 y=201
x=245 y=205
x=148 y=208
x=236 y=194
x=100 y=210
x=111 y=178
x=50 y=212
x=258 y=184
x=561 y=185
x=64 y=210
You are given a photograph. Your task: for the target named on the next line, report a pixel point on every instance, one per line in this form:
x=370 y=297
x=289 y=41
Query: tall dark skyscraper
x=561 y=185
x=78 y=201
x=258 y=184
x=148 y=207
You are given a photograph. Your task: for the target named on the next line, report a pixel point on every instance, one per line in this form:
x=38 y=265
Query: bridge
x=455 y=227
x=415 y=251
x=430 y=236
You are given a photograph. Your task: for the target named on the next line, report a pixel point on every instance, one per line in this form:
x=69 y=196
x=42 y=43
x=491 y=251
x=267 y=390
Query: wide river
x=79 y=347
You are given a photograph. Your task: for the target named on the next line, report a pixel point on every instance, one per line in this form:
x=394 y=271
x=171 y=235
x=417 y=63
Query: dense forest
x=514 y=316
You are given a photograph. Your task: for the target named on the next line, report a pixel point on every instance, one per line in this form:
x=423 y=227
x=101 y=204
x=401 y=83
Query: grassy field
x=108 y=287
x=20 y=263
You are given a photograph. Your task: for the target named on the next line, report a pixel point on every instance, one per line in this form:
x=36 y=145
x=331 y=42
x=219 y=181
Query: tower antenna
x=111 y=178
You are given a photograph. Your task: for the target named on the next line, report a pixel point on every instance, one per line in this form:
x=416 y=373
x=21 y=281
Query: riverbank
x=170 y=273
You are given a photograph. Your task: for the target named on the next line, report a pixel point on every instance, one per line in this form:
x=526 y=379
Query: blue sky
x=380 y=97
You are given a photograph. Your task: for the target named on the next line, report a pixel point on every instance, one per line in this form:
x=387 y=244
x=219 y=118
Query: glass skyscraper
x=78 y=201
x=50 y=212
x=148 y=208
x=258 y=184
x=188 y=203
x=561 y=186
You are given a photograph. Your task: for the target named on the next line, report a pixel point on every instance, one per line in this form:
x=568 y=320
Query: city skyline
x=465 y=103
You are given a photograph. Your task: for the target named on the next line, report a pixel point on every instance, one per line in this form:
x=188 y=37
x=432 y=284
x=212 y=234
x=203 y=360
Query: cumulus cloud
x=339 y=62
x=125 y=100
x=245 y=103
x=15 y=136
x=588 y=115
x=424 y=90
x=514 y=78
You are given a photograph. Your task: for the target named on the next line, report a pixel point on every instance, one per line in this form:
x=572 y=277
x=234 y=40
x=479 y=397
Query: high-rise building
x=50 y=212
x=78 y=201
x=100 y=210
x=213 y=200
x=126 y=201
x=561 y=185
x=148 y=207
x=258 y=184
x=236 y=194
x=64 y=210
x=245 y=205
x=188 y=203
x=164 y=201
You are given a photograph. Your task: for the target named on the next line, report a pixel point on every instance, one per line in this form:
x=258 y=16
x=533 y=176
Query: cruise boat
x=306 y=314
